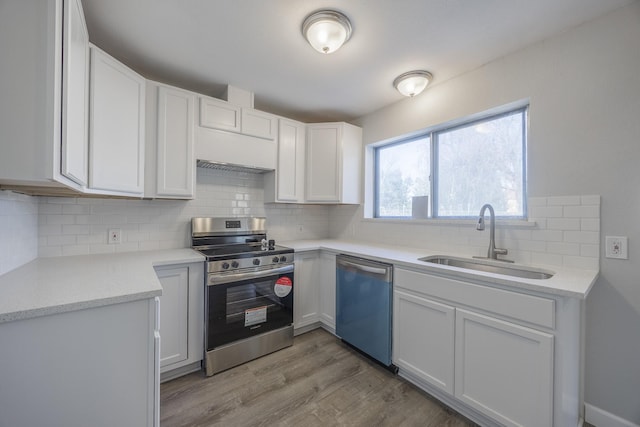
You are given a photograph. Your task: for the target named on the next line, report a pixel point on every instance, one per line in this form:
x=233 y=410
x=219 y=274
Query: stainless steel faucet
x=493 y=252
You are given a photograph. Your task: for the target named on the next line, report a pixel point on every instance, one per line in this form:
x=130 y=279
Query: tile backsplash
x=72 y=226
x=18 y=230
x=561 y=231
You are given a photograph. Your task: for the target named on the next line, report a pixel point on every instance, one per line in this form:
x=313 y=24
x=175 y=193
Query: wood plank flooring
x=319 y=381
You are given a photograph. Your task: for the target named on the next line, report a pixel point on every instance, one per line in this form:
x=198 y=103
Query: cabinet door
x=504 y=370
x=290 y=170
x=323 y=168
x=174 y=315
x=306 y=307
x=116 y=126
x=75 y=94
x=92 y=367
x=423 y=339
x=175 y=173
x=258 y=123
x=218 y=114
x=328 y=290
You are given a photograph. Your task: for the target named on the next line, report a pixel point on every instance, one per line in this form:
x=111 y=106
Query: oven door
x=241 y=305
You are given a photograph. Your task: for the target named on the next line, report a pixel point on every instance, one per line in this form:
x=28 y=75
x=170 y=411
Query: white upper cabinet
x=286 y=183
x=219 y=114
x=222 y=115
x=75 y=94
x=43 y=107
x=170 y=161
x=259 y=124
x=220 y=135
x=116 y=124
x=333 y=163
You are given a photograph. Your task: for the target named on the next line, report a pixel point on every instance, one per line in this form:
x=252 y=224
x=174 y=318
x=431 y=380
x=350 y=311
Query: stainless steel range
x=248 y=292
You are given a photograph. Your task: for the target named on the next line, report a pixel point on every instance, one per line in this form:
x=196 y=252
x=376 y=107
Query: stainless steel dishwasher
x=364 y=306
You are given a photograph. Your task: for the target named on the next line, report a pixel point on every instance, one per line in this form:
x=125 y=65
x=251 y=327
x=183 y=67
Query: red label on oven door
x=282 y=287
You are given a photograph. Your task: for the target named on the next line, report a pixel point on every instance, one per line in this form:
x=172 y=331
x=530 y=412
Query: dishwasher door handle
x=373 y=270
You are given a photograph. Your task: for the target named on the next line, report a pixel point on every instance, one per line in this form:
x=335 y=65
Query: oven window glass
x=243 y=309
x=250 y=297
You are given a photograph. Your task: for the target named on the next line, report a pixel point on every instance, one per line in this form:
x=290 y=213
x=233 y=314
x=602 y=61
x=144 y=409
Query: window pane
x=403 y=173
x=482 y=163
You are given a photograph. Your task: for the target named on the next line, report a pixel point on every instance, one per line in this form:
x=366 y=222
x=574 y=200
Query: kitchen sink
x=490 y=267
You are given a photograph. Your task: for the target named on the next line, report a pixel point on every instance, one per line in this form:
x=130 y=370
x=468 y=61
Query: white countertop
x=573 y=283
x=60 y=284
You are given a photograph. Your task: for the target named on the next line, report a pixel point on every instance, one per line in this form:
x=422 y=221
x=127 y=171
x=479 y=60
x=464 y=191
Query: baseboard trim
x=601 y=418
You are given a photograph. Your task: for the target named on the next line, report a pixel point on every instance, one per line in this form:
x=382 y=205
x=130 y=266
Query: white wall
x=18 y=230
x=584 y=92
x=72 y=226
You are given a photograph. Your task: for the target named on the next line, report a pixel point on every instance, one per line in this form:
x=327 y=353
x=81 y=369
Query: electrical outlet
x=616 y=247
x=114 y=236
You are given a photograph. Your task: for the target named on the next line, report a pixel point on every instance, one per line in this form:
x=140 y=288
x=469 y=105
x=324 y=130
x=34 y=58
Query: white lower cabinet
x=181 y=318
x=306 y=304
x=423 y=342
x=91 y=367
x=504 y=370
x=315 y=290
x=328 y=290
x=500 y=356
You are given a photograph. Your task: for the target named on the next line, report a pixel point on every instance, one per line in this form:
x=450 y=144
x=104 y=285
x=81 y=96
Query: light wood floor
x=319 y=381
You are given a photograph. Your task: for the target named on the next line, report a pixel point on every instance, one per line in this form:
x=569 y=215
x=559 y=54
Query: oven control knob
x=225 y=265
x=275 y=259
x=256 y=261
x=234 y=264
x=283 y=258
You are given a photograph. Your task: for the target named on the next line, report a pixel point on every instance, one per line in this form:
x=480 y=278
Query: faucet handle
x=500 y=251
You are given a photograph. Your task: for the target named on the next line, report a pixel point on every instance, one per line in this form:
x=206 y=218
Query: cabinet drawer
x=527 y=308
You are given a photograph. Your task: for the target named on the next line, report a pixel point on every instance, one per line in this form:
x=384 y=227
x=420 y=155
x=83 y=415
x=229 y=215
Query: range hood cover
x=209 y=164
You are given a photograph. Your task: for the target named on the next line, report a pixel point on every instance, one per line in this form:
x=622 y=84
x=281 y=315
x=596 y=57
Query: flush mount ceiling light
x=413 y=82
x=326 y=30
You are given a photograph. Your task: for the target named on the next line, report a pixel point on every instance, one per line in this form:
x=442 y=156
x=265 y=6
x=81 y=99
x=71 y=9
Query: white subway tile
x=547 y=235
x=563 y=224
x=582 y=211
x=60 y=219
x=590 y=224
x=590 y=200
x=545 y=212
x=592 y=237
x=76 y=229
x=76 y=209
x=563 y=200
x=562 y=248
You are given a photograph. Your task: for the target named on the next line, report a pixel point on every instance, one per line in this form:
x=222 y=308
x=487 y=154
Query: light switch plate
x=616 y=247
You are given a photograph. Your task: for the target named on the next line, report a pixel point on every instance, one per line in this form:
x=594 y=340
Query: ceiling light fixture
x=326 y=30
x=413 y=82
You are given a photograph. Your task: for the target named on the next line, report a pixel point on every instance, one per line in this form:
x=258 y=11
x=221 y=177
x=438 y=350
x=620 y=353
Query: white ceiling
x=256 y=45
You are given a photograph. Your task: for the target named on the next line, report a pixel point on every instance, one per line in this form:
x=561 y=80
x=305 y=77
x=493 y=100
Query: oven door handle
x=218 y=279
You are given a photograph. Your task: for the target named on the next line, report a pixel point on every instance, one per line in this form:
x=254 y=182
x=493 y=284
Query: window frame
x=433 y=133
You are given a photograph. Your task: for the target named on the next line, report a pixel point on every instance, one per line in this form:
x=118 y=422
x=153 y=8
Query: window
x=450 y=172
